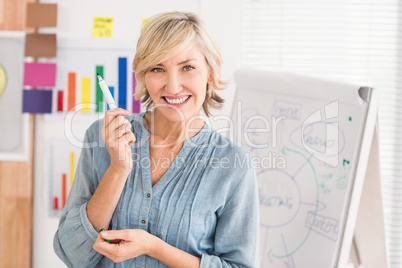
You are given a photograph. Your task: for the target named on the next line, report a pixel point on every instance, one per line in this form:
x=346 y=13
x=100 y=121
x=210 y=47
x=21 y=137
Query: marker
x=106 y=92
x=103 y=229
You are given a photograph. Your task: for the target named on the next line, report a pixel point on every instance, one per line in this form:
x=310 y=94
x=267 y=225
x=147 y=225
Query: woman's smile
x=176 y=101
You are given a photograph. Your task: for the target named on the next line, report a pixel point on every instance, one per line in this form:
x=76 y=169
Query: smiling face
x=177 y=86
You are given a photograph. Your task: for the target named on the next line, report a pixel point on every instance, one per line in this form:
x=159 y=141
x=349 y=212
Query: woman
x=168 y=189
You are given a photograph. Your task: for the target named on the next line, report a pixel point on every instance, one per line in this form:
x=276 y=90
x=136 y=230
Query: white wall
x=75 y=19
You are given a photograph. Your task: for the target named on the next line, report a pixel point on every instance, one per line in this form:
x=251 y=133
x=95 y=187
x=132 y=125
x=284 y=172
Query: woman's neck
x=164 y=131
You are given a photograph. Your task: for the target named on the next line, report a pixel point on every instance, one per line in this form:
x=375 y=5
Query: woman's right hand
x=118 y=137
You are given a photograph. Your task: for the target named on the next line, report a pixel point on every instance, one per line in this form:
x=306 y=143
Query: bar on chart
x=99 y=94
x=60 y=100
x=86 y=95
x=55 y=203
x=111 y=92
x=71 y=91
x=136 y=103
x=122 y=83
x=71 y=168
x=63 y=190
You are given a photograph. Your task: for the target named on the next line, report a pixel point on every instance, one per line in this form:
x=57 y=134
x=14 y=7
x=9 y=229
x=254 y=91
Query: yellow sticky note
x=103 y=27
x=144 y=21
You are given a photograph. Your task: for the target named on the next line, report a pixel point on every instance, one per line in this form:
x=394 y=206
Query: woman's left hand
x=124 y=244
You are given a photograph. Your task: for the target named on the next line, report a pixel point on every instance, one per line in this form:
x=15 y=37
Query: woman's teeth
x=176 y=101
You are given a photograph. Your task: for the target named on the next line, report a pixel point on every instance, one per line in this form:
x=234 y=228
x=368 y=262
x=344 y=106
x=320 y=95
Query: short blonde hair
x=163 y=36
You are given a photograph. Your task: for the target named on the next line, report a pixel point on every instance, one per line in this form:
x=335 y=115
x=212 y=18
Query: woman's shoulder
x=225 y=146
x=230 y=156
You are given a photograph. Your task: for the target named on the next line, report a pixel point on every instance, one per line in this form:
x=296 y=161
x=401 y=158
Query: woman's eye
x=188 y=68
x=157 y=70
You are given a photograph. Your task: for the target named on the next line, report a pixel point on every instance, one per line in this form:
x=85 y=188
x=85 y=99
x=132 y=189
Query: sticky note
x=41 y=15
x=103 y=27
x=40 y=45
x=37 y=101
x=143 y=21
x=38 y=74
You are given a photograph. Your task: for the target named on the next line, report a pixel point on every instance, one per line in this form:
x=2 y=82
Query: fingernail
x=104 y=233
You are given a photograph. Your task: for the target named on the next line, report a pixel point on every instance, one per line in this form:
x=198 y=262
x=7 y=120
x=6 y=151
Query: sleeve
x=75 y=235
x=237 y=237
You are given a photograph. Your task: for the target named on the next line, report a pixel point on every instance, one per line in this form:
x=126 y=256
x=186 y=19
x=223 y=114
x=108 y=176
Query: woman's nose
x=173 y=84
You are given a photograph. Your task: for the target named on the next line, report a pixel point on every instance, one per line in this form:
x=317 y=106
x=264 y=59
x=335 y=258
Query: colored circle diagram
x=3 y=80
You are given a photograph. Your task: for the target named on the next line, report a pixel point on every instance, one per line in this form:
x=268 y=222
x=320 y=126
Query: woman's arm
x=116 y=132
x=237 y=242
x=136 y=242
x=76 y=234
x=101 y=206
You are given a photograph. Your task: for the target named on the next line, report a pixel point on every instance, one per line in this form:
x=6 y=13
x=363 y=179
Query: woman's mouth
x=176 y=102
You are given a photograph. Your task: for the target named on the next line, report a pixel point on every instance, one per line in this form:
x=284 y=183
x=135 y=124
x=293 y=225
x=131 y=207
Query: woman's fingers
x=117 y=122
x=125 y=234
x=117 y=128
x=110 y=115
x=130 y=138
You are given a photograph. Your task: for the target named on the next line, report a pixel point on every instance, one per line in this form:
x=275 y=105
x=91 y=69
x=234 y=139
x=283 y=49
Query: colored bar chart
x=77 y=66
x=60 y=165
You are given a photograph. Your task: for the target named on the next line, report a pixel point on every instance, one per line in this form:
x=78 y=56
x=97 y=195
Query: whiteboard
x=14 y=144
x=309 y=141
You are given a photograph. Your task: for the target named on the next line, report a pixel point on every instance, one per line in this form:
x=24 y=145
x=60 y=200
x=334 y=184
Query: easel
x=368 y=248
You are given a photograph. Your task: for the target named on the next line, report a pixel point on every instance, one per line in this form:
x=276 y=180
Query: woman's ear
x=210 y=79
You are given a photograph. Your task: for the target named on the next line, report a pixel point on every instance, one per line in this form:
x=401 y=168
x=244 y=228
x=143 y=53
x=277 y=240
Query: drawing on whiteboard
x=298 y=195
x=295 y=199
x=290 y=110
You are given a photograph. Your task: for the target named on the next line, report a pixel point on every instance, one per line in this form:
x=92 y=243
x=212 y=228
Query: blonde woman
x=168 y=190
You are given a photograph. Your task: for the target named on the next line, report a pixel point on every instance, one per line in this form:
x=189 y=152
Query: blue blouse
x=205 y=204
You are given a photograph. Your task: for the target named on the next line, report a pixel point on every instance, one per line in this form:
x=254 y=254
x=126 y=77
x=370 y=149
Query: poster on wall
x=14 y=125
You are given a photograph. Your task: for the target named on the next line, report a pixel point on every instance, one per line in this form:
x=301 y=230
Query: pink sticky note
x=38 y=74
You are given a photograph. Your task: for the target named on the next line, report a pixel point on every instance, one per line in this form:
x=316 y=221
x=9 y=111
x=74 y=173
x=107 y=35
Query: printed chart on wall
x=78 y=62
x=61 y=160
x=303 y=136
